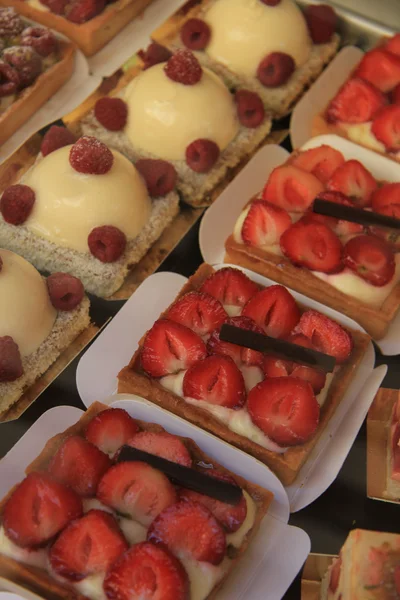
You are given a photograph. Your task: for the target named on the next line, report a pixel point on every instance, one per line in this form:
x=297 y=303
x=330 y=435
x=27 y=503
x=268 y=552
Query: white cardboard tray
x=219 y=220
x=114 y=347
x=277 y=553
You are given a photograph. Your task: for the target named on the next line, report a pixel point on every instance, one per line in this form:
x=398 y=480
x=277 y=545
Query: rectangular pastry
x=122 y=529
x=182 y=365
x=393 y=454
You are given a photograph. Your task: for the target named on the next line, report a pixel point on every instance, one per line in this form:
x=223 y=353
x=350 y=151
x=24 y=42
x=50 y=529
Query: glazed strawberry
x=395 y=95
x=201 y=155
x=38 y=509
x=199 y=312
x=153 y=55
x=159 y=175
x=10 y=359
x=162 y=444
x=275 y=69
x=80 y=11
x=170 y=347
x=230 y=286
x=136 y=489
x=107 y=243
x=326 y=335
x=291 y=188
x=149 y=572
x=111 y=429
x=189 y=528
x=264 y=224
x=371 y=258
x=216 y=380
x=16 y=203
x=90 y=156
x=80 y=465
x=250 y=108
x=183 y=67
x=274 y=310
x=195 y=34
x=112 y=113
x=285 y=409
x=321 y=21
x=66 y=291
x=237 y=353
x=386 y=200
x=56 y=137
x=322 y=161
x=393 y=45
x=354 y=181
x=340 y=226
x=386 y=127
x=357 y=101
x=380 y=68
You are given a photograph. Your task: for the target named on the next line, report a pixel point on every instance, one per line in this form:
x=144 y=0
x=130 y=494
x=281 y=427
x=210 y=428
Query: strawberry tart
x=392 y=490
x=351 y=268
x=183 y=113
x=267 y=46
x=84 y=524
x=85 y=209
x=39 y=319
x=241 y=395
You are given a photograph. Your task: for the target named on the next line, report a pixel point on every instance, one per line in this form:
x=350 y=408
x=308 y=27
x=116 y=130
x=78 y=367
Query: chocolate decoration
x=186 y=477
x=279 y=348
x=353 y=214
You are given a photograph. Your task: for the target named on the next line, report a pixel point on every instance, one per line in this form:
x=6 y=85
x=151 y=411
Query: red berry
x=357 y=101
x=321 y=21
x=395 y=95
x=354 y=181
x=291 y=188
x=237 y=353
x=159 y=175
x=10 y=360
x=371 y=258
x=393 y=45
x=153 y=55
x=9 y=80
x=16 y=203
x=195 y=34
x=200 y=312
x=65 y=291
x=264 y=224
x=271 y=2
x=89 y=155
x=11 y=23
x=183 y=67
x=230 y=286
x=56 y=137
x=107 y=243
x=80 y=11
x=321 y=161
x=386 y=127
x=112 y=113
x=40 y=39
x=380 y=68
x=25 y=61
x=162 y=444
x=386 y=200
x=111 y=429
x=250 y=108
x=56 y=6
x=326 y=335
x=275 y=69
x=274 y=310
x=201 y=155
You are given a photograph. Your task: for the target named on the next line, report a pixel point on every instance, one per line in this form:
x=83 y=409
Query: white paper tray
x=219 y=220
x=277 y=553
x=114 y=347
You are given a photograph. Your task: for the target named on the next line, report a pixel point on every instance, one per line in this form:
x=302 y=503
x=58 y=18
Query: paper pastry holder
x=314 y=570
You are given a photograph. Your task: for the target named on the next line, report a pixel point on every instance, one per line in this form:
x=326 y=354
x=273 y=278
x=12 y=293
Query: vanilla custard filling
x=36 y=558
x=243 y=32
x=164 y=116
x=70 y=204
x=26 y=313
x=38 y=5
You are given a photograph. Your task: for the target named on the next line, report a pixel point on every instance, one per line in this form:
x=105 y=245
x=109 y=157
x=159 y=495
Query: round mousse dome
x=243 y=32
x=164 y=116
x=26 y=313
x=70 y=204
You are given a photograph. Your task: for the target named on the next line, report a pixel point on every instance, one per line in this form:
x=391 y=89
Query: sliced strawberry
x=80 y=465
x=216 y=380
x=274 y=310
x=230 y=286
x=395 y=95
x=386 y=200
x=111 y=429
x=136 y=489
x=162 y=444
x=371 y=258
x=335 y=574
x=339 y=226
x=380 y=68
x=189 y=528
x=170 y=347
x=354 y=181
x=395 y=439
x=285 y=409
x=200 y=312
x=357 y=101
x=291 y=188
x=87 y=546
x=239 y=354
x=38 y=509
x=322 y=161
x=393 y=45
x=326 y=335
x=264 y=224
x=386 y=127
x=147 y=572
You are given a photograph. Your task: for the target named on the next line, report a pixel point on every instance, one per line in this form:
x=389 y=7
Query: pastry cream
x=243 y=32
x=36 y=558
x=69 y=204
x=164 y=116
x=26 y=313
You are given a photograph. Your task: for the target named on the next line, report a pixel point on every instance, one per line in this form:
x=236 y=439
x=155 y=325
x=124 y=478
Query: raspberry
x=159 y=175
x=195 y=34
x=9 y=80
x=11 y=23
x=80 y=11
x=250 y=108
x=112 y=113
x=183 y=67
x=40 y=39
x=10 y=360
x=201 y=155
x=275 y=69
x=107 y=243
x=89 y=155
x=321 y=21
x=154 y=54
x=56 y=137
x=25 y=61
x=65 y=291
x=55 y=6
x=16 y=203
x=271 y=2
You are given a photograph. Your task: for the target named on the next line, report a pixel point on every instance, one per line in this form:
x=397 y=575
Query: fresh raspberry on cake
x=321 y=21
x=354 y=181
x=163 y=444
x=9 y=80
x=291 y=188
x=80 y=11
x=386 y=127
x=230 y=286
x=170 y=347
x=356 y=102
x=322 y=161
x=153 y=55
x=40 y=39
x=160 y=176
x=380 y=68
x=340 y=226
x=274 y=310
x=371 y=258
x=326 y=335
x=10 y=359
x=250 y=108
x=264 y=224
x=275 y=69
x=237 y=353
x=112 y=113
x=107 y=243
x=393 y=45
x=11 y=23
x=26 y=61
x=183 y=67
x=199 y=312
x=56 y=137
x=89 y=155
x=111 y=429
x=195 y=34
x=201 y=155
x=66 y=291
x=16 y=203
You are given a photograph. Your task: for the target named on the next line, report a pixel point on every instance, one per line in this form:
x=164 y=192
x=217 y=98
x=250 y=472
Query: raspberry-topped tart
x=106 y=528
x=183 y=113
x=85 y=209
x=267 y=46
x=273 y=408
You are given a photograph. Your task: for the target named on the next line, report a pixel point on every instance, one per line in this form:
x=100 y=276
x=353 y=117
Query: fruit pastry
x=366 y=109
x=266 y=46
x=351 y=268
x=85 y=209
x=39 y=319
x=392 y=490
x=272 y=408
x=90 y=24
x=87 y=524
x=34 y=64
x=180 y=112
x=368 y=567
